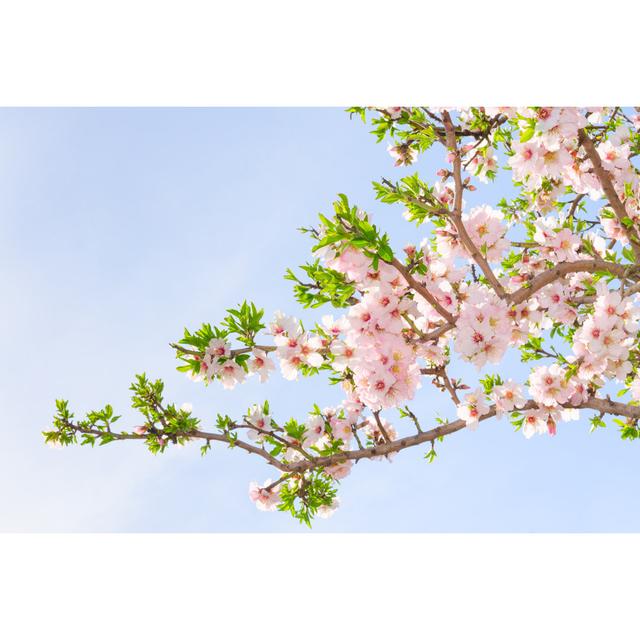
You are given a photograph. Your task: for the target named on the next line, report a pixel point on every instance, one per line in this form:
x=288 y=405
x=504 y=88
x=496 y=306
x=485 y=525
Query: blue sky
x=119 y=227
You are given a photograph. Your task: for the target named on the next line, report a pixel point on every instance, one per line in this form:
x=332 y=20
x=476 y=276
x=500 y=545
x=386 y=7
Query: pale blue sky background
x=118 y=227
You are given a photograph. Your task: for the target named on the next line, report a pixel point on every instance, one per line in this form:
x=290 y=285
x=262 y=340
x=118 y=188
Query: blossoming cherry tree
x=552 y=273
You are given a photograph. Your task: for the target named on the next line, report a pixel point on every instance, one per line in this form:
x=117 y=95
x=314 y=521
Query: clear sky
x=119 y=227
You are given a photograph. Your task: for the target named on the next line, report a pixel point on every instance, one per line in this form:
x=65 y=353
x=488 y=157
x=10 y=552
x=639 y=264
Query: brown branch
x=283 y=441
x=233 y=352
x=629 y=291
x=606 y=405
x=449 y=387
x=383 y=431
x=602 y=405
x=597 y=404
x=574 y=204
x=196 y=433
x=607 y=186
x=414 y=418
x=422 y=290
x=563 y=269
x=430 y=371
x=437 y=333
x=456 y=215
x=275 y=483
x=542 y=280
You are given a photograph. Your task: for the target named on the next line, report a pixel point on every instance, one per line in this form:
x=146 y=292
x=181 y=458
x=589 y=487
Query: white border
x=334 y=53
x=284 y=586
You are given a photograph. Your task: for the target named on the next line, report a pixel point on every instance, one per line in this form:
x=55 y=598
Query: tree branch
x=607 y=186
x=563 y=269
x=542 y=280
x=602 y=405
x=597 y=404
x=456 y=215
x=422 y=290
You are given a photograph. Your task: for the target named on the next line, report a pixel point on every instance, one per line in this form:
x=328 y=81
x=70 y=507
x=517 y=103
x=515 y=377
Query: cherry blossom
x=257 y=418
x=326 y=511
x=487 y=231
x=472 y=408
x=265 y=499
x=315 y=429
x=549 y=385
x=507 y=397
x=484 y=328
x=340 y=471
x=547 y=275
x=229 y=372
x=261 y=364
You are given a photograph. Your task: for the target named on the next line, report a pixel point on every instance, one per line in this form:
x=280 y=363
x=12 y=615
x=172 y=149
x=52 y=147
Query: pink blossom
x=262 y=421
x=334 y=327
x=614 y=229
x=527 y=159
x=554 y=299
x=343 y=354
x=486 y=229
x=535 y=422
x=265 y=499
x=326 y=511
x=507 y=397
x=314 y=430
x=340 y=471
x=472 y=408
x=282 y=324
x=549 y=386
x=444 y=192
x=230 y=373
x=612 y=156
x=341 y=430
x=484 y=329
x=560 y=243
x=217 y=349
x=260 y=363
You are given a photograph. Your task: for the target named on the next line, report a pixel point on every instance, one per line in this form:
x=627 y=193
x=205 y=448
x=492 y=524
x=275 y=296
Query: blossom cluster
x=482 y=280
x=369 y=339
x=218 y=362
x=603 y=342
x=295 y=347
x=483 y=332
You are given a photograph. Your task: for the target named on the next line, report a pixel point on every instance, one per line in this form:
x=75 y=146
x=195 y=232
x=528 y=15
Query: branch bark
x=542 y=280
x=607 y=186
x=603 y=405
x=456 y=215
x=422 y=290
